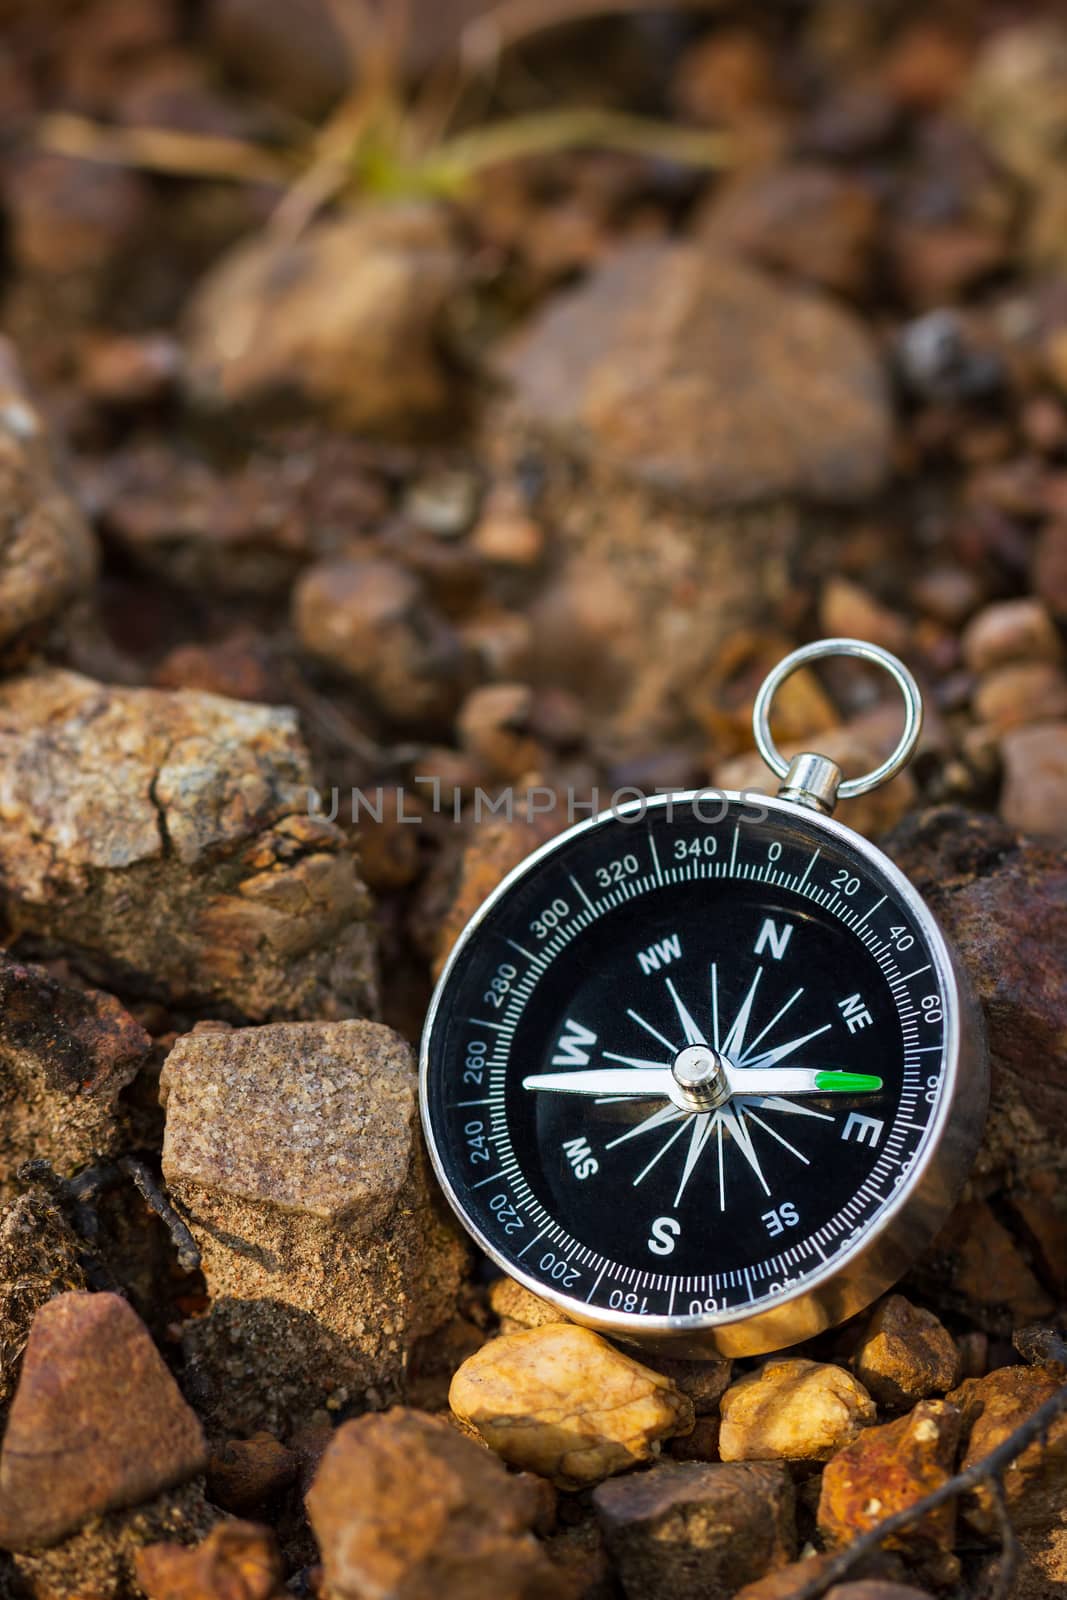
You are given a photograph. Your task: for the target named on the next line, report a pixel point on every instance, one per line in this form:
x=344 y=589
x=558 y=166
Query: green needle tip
x=847 y=1082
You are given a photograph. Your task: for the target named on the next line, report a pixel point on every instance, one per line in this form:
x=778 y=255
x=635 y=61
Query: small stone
x=402 y=1504
x=1050 y=567
x=164 y=836
x=47 y=553
x=293 y=1151
x=717 y=343
x=347 y=319
x=560 y=1401
x=948 y=594
x=1036 y=1484
x=848 y=611
x=906 y=1355
x=686 y=1531
x=1034 y=796
x=65 y=1055
x=518 y=1307
x=885 y=1470
x=373 y=621
x=97 y=1423
x=1021 y=694
x=1016 y=96
x=1011 y=630
x=792 y=1410
x=815 y=222
x=787 y=1582
x=237 y=1561
x=130 y=370
x=494 y=727
x=705 y=1382
x=243 y=1474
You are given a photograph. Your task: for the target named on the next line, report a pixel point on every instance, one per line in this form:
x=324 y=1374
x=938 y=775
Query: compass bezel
x=860 y=1272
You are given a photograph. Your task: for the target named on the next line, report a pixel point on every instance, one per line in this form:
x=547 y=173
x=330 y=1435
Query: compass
x=702 y=1071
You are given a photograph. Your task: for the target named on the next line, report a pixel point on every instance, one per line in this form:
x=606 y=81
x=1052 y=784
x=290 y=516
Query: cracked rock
x=403 y=1505
x=97 y=1423
x=293 y=1152
x=792 y=1409
x=162 y=839
x=697 y=1531
x=47 y=553
x=65 y=1054
x=560 y=1401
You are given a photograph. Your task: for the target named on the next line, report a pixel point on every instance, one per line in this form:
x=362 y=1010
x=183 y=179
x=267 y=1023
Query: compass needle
x=712 y=1080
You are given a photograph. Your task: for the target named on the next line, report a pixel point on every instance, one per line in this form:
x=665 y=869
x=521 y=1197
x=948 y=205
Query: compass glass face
x=686 y=1060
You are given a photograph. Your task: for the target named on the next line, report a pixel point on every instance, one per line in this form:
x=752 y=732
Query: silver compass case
x=862 y=1265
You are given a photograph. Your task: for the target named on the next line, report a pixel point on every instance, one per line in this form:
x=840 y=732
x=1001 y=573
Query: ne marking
x=655 y=857
x=908 y=976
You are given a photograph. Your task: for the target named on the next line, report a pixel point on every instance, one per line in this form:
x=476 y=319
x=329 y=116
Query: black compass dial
x=686 y=1060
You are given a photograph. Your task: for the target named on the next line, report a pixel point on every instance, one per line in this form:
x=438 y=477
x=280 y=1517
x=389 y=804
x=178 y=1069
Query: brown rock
x=1016 y=97
x=792 y=1409
x=787 y=1582
x=164 y=838
x=1050 y=567
x=237 y=1561
x=705 y=1382
x=97 y=1423
x=980 y=1268
x=718 y=345
x=346 y=319
x=1003 y=903
x=848 y=611
x=684 y=1531
x=875 y=1589
x=906 y=1355
x=1035 y=1485
x=487 y=857
x=65 y=1054
x=372 y=620
x=494 y=727
x=40 y=1256
x=294 y=1152
x=244 y=529
x=518 y=1308
x=243 y=1474
x=814 y=222
x=47 y=553
x=886 y=1470
x=1021 y=694
x=1034 y=796
x=403 y=1505
x=1011 y=630
x=560 y=1401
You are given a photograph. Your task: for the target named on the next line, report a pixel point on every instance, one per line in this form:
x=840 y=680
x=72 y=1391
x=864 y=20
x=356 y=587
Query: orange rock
x=237 y=1561
x=888 y=1469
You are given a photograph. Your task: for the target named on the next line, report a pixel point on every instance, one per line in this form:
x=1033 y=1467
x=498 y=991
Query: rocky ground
x=342 y=444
